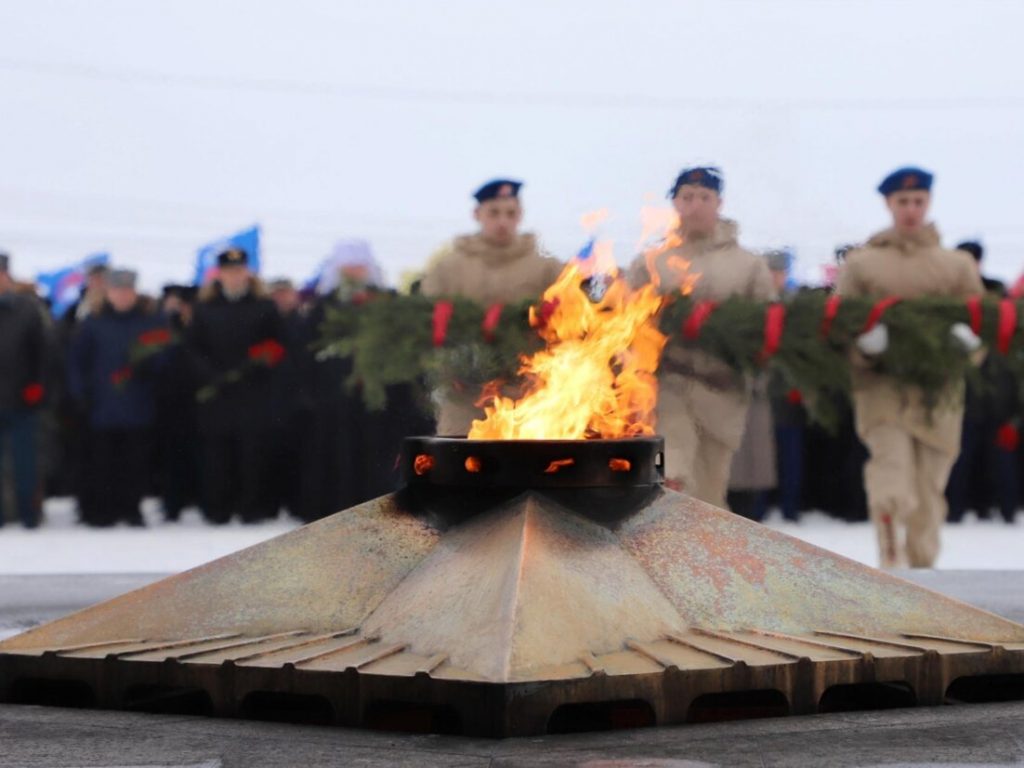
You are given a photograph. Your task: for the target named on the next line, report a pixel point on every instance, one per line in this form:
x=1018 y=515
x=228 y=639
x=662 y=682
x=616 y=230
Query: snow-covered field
x=62 y=546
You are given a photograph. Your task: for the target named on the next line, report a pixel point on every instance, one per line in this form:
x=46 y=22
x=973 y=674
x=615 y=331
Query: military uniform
x=473 y=268
x=702 y=402
x=912 y=450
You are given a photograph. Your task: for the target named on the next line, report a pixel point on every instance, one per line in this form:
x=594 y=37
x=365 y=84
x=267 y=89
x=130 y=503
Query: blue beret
x=702 y=176
x=497 y=188
x=905 y=179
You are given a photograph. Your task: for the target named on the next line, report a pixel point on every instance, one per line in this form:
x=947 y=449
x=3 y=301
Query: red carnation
x=33 y=393
x=155 y=337
x=1008 y=437
x=794 y=396
x=269 y=352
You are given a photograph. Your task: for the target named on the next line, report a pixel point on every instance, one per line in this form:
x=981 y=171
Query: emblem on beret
x=910 y=181
x=505 y=190
x=696 y=175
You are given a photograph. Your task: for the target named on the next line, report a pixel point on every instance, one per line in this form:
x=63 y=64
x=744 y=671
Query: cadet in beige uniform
x=702 y=403
x=497 y=264
x=912 y=451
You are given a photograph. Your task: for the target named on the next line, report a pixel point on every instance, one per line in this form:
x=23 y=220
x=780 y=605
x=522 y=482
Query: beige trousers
x=694 y=459
x=905 y=481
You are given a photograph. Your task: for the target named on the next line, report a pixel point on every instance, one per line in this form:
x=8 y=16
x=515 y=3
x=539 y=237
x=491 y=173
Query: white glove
x=875 y=341
x=965 y=337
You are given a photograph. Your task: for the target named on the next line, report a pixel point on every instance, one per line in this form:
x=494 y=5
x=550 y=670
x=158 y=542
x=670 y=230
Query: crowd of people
x=214 y=396
x=210 y=397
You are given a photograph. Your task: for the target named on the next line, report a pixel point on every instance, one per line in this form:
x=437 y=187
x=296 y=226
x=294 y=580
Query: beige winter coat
x=473 y=268
x=717 y=398
x=908 y=266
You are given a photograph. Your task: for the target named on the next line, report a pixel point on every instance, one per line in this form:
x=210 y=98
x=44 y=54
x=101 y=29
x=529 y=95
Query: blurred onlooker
x=789 y=417
x=292 y=405
x=350 y=453
x=976 y=250
x=985 y=472
x=177 y=445
x=74 y=425
x=91 y=300
x=111 y=377
x=22 y=363
x=236 y=339
x=753 y=471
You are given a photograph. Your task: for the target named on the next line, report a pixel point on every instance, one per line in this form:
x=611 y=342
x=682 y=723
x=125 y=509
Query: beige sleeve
x=761 y=284
x=435 y=282
x=847 y=283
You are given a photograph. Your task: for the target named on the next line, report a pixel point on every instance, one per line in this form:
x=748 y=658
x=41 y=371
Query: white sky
x=147 y=128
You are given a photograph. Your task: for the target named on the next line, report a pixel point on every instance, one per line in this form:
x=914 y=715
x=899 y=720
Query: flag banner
x=62 y=287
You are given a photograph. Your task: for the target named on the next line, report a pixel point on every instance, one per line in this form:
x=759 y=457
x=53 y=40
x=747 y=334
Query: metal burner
x=460 y=463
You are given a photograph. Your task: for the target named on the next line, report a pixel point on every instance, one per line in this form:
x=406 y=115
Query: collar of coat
x=494 y=255
x=926 y=237
x=725 y=235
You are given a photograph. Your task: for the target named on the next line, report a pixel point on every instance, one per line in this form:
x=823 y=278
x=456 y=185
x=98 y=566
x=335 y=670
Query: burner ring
x=459 y=462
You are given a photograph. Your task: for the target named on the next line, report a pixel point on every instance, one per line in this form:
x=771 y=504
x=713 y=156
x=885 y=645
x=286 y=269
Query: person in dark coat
x=178 y=445
x=292 y=416
x=113 y=381
x=350 y=454
x=236 y=339
x=22 y=363
x=985 y=472
x=73 y=476
x=330 y=450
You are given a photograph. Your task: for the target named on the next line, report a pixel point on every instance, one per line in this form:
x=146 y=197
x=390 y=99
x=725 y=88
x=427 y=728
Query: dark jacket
x=22 y=348
x=219 y=341
x=99 y=359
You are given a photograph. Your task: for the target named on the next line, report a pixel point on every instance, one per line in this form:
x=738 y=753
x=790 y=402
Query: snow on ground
x=62 y=546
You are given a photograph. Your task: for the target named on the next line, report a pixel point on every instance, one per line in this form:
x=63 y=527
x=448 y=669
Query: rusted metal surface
x=493 y=612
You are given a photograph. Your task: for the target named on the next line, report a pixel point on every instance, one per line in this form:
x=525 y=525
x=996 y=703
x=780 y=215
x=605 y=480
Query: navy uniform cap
x=706 y=176
x=232 y=257
x=906 y=179
x=497 y=188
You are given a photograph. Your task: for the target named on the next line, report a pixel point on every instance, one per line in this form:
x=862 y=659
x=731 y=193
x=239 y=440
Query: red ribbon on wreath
x=878 y=310
x=1007 y=325
x=491 y=318
x=698 y=316
x=442 y=316
x=831 y=310
x=974 y=310
x=774 y=322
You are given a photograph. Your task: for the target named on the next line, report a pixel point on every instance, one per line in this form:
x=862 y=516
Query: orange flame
x=595 y=376
x=674 y=269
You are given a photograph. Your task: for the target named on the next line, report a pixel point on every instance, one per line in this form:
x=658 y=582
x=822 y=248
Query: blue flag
x=206 y=257
x=64 y=286
x=586 y=251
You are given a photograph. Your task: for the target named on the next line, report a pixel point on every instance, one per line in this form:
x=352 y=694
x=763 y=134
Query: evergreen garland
x=391 y=340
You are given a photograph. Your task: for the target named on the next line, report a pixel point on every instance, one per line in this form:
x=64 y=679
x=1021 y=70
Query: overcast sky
x=146 y=128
